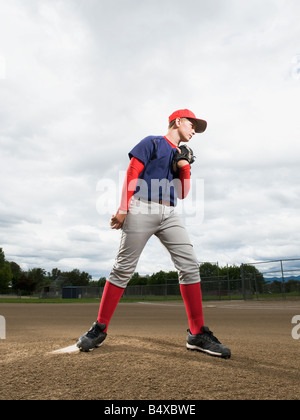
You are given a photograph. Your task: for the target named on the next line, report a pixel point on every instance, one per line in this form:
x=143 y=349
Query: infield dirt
x=144 y=356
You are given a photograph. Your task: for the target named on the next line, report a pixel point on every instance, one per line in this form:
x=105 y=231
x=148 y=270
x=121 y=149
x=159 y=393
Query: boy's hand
x=116 y=221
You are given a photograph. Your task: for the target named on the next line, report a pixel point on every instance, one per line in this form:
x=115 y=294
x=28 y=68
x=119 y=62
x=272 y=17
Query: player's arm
x=182 y=161
x=134 y=170
x=185 y=179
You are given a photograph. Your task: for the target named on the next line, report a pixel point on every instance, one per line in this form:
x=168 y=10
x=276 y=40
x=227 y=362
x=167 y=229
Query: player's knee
x=189 y=275
x=119 y=277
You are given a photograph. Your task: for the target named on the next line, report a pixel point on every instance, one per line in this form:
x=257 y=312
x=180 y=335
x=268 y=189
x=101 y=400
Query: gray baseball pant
x=143 y=220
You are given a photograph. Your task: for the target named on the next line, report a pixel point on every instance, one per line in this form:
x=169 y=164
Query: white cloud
x=85 y=81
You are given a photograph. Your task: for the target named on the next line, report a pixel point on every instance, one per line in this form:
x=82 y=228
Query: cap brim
x=200 y=126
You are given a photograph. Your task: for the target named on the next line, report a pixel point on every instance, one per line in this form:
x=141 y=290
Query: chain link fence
x=277 y=278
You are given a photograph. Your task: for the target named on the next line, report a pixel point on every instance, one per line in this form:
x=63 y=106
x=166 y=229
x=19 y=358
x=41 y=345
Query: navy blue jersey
x=156 y=180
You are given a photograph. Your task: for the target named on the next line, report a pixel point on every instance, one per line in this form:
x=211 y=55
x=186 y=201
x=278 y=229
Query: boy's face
x=186 y=129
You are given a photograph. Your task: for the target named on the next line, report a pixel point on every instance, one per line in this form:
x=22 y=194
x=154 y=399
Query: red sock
x=192 y=297
x=110 y=299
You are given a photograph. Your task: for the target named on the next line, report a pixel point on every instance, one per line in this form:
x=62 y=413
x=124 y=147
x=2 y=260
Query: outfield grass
x=86 y=300
x=28 y=299
x=150 y=298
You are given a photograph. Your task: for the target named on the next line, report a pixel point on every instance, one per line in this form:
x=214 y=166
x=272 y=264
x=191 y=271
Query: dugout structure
x=72 y=292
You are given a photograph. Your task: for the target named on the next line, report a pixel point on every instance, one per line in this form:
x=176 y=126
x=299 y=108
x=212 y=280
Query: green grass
x=37 y=300
x=151 y=298
x=88 y=300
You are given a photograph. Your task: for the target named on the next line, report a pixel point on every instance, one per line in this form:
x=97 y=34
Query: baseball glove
x=186 y=154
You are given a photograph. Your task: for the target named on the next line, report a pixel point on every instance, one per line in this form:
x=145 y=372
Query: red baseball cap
x=186 y=113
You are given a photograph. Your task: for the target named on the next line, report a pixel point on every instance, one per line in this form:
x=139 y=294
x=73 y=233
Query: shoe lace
x=94 y=331
x=210 y=336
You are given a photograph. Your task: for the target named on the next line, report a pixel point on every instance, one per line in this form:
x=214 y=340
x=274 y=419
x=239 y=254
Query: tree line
x=14 y=279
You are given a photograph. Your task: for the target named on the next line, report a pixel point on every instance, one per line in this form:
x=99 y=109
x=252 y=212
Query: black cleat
x=93 y=338
x=207 y=343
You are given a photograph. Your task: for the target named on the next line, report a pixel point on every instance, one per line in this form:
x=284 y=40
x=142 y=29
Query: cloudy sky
x=82 y=81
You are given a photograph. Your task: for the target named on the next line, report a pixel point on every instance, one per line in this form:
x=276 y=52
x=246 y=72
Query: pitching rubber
x=69 y=349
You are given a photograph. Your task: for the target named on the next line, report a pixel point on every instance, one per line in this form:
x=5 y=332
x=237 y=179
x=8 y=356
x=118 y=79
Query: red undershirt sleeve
x=185 y=181
x=184 y=177
x=134 y=170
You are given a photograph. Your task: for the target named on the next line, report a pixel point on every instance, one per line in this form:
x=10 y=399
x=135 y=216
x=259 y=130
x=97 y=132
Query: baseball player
x=158 y=174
